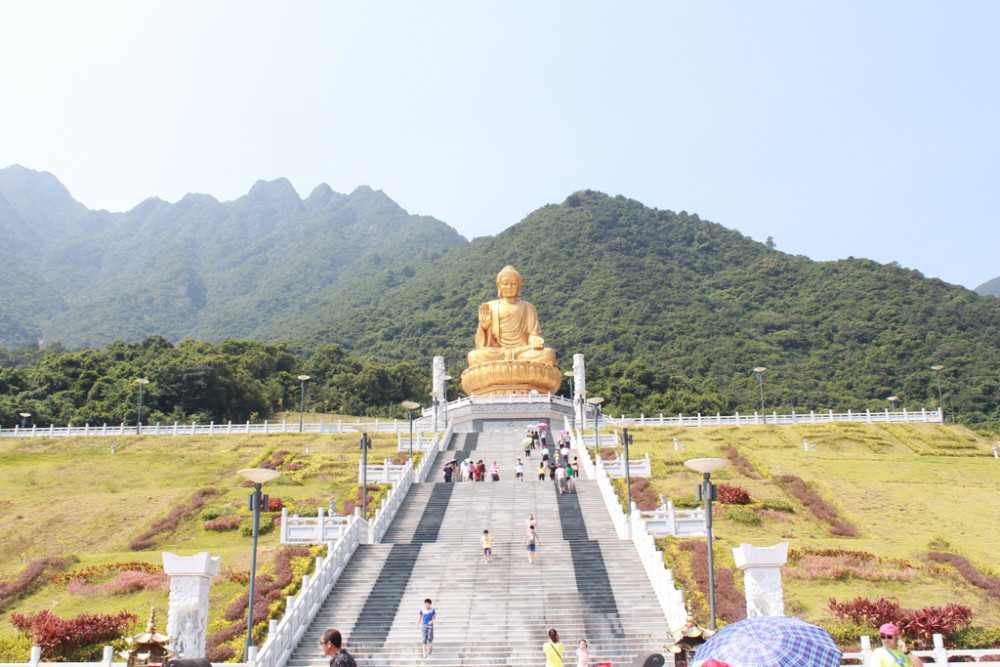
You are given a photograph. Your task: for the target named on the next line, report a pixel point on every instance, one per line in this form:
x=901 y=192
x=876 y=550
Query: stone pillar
x=579 y=388
x=187 y=621
x=762 y=577
x=437 y=384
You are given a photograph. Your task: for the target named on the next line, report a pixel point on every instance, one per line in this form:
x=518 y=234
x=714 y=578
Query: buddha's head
x=509 y=282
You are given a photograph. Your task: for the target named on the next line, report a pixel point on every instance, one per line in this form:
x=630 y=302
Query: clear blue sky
x=869 y=129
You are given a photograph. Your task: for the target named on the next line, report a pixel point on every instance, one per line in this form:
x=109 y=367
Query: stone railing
x=312 y=529
x=381 y=473
x=665 y=521
x=636 y=467
x=939 y=654
x=336 y=426
x=812 y=417
x=284 y=635
x=421 y=442
x=632 y=527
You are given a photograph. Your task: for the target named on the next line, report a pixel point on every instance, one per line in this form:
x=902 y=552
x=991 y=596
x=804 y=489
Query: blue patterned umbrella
x=771 y=641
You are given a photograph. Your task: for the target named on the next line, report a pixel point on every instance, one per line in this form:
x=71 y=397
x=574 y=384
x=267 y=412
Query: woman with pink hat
x=894 y=650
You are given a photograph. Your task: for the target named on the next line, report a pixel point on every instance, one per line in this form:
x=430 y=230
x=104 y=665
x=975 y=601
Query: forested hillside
x=671 y=311
x=654 y=298
x=268 y=265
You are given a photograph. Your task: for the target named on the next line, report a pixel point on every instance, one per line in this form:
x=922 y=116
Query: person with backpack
x=553 y=650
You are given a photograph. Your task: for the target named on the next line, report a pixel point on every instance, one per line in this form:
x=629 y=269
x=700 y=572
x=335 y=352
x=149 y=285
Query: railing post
x=940 y=653
x=866 y=650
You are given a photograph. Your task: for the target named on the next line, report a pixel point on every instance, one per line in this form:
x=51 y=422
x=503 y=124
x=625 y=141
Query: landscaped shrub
x=642 y=495
x=29 y=579
x=990 y=584
x=126 y=582
x=608 y=453
x=820 y=508
x=740 y=462
x=777 y=504
x=920 y=624
x=730 y=602
x=76 y=639
x=977 y=637
x=270 y=591
x=224 y=523
x=687 y=501
x=15 y=647
x=265 y=526
x=730 y=494
x=210 y=513
x=744 y=515
x=169 y=523
x=843 y=564
x=275 y=504
x=104 y=570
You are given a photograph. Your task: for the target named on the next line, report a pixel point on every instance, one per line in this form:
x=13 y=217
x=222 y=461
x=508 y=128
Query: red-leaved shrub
x=224 y=523
x=820 y=508
x=642 y=495
x=29 y=579
x=267 y=587
x=169 y=523
x=920 y=624
x=124 y=583
x=990 y=584
x=730 y=602
x=59 y=638
x=730 y=494
x=740 y=462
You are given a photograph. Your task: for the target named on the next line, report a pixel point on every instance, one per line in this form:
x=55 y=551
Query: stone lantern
x=686 y=640
x=147 y=648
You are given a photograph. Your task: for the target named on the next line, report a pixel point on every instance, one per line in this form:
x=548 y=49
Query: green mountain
x=653 y=298
x=990 y=287
x=671 y=311
x=268 y=265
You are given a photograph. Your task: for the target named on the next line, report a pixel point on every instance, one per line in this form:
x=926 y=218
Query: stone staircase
x=584 y=582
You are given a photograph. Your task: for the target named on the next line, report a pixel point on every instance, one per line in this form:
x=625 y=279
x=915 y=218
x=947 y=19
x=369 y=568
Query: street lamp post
x=142 y=382
x=937 y=374
x=302 y=403
x=24 y=419
x=410 y=407
x=706 y=492
x=596 y=401
x=626 y=440
x=365 y=444
x=258 y=476
x=892 y=401
x=759 y=370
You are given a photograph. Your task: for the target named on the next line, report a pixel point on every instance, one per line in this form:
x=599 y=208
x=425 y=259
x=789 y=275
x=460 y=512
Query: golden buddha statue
x=510 y=352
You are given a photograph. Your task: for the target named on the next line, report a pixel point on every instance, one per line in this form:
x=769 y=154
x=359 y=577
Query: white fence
x=381 y=473
x=939 y=654
x=631 y=527
x=636 y=467
x=665 y=521
x=812 y=417
x=194 y=428
x=402 y=426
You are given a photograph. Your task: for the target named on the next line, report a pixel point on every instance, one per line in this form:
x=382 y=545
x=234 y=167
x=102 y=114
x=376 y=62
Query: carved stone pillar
x=187 y=621
x=762 y=577
x=437 y=385
x=579 y=388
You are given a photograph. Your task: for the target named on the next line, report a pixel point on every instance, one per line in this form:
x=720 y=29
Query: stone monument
x=510 y=354
x=762 y=577
x=187 y=621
